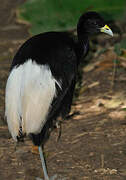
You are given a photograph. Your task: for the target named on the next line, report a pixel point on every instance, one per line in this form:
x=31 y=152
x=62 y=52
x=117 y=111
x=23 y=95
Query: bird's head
x=91 y=23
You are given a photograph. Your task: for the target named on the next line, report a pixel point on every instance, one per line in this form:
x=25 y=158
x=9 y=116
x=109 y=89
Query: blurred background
x=63 y=14
x=93 y=143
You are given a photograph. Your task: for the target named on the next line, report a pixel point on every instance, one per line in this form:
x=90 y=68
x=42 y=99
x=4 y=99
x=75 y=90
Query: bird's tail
x=29 y=93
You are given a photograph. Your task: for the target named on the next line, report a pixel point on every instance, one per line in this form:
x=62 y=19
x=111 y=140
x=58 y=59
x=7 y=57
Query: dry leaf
x=114 y=103
x=93 y=84
x=90 y=66
x=117 y=115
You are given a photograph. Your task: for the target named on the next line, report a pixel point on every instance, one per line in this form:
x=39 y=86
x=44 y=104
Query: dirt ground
x=92 y=145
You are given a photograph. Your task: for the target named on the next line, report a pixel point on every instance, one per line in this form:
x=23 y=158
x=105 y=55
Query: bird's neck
x=83 y=46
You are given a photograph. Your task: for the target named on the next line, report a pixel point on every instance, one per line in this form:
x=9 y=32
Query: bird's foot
x=51 y=178
x=55 y=177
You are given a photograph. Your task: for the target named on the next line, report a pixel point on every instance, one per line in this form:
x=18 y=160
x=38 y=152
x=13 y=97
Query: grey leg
x=43 y=163
x=46 y=177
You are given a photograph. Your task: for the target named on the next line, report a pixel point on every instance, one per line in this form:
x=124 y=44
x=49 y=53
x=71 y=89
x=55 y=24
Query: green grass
x=48 y=15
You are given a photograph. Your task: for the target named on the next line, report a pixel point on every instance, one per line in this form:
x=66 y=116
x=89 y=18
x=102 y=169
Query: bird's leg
x=58 y=127
x=46 y=177
x=43 y=163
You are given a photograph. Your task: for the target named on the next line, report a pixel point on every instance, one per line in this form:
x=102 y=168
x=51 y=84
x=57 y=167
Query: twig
x=102 y=161
x=114 y=74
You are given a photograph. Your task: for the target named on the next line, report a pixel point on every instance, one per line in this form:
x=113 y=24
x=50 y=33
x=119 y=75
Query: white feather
x=29 y=92
x=12 y=99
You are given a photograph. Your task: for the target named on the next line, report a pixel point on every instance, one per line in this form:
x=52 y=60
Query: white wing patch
x=29 y=92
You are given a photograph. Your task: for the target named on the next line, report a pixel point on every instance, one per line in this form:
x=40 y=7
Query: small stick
x=102 y=161
x=114 y=74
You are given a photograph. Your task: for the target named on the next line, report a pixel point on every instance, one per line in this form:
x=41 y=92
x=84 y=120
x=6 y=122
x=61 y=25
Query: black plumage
x=62 y=54
x=58 y=50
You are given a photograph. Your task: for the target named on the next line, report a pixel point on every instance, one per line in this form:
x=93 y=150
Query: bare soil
x=92 y=145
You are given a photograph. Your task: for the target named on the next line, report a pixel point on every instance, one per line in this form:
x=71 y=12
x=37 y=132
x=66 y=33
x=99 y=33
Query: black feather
x=62 y=54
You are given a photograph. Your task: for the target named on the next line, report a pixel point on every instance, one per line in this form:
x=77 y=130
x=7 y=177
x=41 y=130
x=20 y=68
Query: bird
x=42 y=80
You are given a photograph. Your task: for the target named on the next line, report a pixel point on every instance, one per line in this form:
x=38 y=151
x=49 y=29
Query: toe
x=57 y=177
x=53 y=177
x=37 y=178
